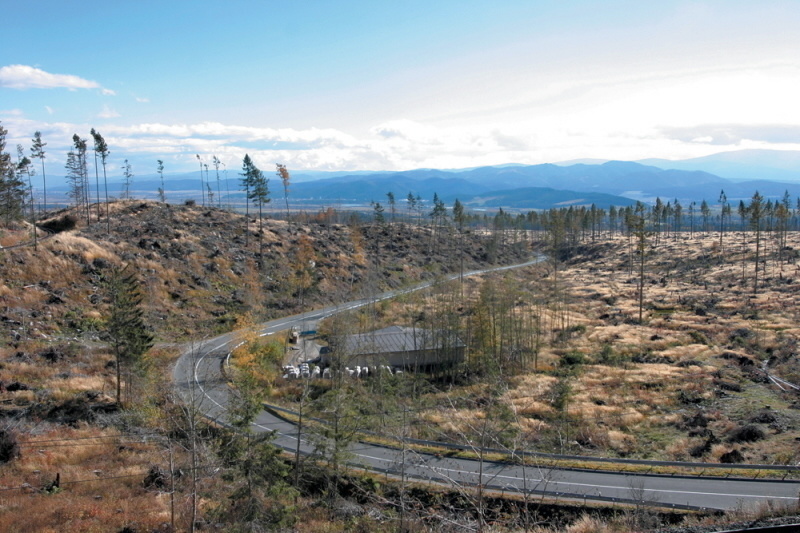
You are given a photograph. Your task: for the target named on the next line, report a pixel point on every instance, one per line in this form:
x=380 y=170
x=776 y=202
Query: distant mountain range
x=521 y=187
x=741 y=165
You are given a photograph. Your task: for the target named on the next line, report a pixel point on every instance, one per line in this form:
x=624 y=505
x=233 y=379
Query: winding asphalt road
x=199 y=381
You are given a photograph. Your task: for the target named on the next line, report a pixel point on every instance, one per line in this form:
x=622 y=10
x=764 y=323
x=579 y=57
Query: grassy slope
x=200 y=276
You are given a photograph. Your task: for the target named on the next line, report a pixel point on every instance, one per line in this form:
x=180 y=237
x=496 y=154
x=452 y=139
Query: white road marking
x=435 y=469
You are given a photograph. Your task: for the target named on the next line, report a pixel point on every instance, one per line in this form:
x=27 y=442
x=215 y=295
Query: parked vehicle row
x=306 y=371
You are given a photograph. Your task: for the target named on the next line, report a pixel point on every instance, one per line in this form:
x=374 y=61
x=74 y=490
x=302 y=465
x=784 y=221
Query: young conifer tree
x=756 y=212
x=125 y=329
x=127 y=177
x=37 y=152
x=12 y=189
x=257 y=187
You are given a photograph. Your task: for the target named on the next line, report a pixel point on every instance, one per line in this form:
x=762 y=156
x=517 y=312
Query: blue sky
x=345 y=85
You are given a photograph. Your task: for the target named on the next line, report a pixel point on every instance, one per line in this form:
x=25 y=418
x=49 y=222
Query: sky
x=381 y=85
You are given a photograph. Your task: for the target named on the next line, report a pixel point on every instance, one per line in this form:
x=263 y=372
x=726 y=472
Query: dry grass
x=641 y=403
x=79 y=370
x=101 y=469
x=88 y=250
x=589 y=524
x=101 y=474
x=697 y=308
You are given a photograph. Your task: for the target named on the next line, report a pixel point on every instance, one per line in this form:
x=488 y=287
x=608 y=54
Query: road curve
x=199 y=381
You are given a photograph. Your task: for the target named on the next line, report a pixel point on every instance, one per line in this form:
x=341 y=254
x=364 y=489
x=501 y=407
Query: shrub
x=690 y=397
x=747 y=433
x=562 y=390
x=53 y=354
x=608 y=356
x=703 y=448
x=155 y=478
x=731 y=457
x=9 y=447
x=698 y=337
x=65 y=223
x=727 y=385
x=573 y=358
x=570 y=332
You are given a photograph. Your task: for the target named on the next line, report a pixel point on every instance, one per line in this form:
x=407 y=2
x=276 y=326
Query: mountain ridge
x=523 y=186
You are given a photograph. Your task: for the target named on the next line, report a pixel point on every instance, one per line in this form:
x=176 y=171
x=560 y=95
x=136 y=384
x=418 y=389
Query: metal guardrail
x=499 y=488
x=580 y=458
x=789 y=528
x=555 y=494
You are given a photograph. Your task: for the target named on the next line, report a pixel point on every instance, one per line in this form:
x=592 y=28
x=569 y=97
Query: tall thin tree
x=217 y=163
x=390 y=199
x=783 y=212
x=37 y=152
x=162 y=195
x=638 y=227
x=82 y=174
x=96 y=172
x=723 y=208
x=208 y=188
x=756 y=212
x=227 y=185
x=127 y=179
x=285 y=177
x=705 y=211
x=411 y=203
x=247 y=183
x=459 y=217
x=202 y=184
x=73 y=178
x=101 y=149
x=259 y=194
x=25 y=170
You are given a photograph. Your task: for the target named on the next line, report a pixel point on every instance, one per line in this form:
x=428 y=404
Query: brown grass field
x=685 y=384
x=682 y=384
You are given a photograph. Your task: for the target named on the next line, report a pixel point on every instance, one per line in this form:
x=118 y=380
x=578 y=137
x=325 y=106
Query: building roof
x=399 y=339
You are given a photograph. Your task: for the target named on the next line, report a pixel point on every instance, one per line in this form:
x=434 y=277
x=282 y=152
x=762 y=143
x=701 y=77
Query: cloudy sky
x=357 y=85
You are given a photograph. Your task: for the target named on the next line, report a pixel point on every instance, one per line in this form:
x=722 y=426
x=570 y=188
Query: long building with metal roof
x=398 y=346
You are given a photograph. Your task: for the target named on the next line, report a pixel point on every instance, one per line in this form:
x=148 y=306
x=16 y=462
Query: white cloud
x=27 y=77
x=108 y=92
x=108 y=112
x=399 y=144
x=142 y=100
x=406 y=129
x=49 y=110
x=232 y=133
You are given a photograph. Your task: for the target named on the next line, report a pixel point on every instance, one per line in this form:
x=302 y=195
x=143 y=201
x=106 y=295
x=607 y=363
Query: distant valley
x=512 y=187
